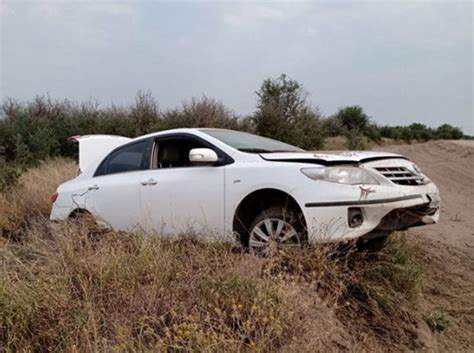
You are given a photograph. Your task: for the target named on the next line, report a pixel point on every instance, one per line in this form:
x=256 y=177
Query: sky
x=402 y=61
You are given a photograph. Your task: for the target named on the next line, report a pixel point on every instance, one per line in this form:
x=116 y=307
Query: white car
x=215 y=182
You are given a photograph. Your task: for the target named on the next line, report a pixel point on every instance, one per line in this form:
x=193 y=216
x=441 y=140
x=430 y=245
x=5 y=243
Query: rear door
x=113 y=195
x=178 y=197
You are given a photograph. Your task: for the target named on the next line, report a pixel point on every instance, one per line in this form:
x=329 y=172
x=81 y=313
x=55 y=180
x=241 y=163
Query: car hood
x=329 y=157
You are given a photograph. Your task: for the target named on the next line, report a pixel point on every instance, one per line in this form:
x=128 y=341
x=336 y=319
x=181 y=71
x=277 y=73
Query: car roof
x=179 y=130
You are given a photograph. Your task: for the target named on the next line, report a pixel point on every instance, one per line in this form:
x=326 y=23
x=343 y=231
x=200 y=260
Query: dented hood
x=329 y=157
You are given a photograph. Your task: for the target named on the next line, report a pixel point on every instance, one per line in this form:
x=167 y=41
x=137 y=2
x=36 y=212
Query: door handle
x=93 y=187
x=150 y=181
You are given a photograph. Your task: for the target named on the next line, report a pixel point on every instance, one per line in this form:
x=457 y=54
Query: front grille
x=401 y=175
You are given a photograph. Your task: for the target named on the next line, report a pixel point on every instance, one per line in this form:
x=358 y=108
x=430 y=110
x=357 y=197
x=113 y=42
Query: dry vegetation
x=65 y=288
x=29 y=200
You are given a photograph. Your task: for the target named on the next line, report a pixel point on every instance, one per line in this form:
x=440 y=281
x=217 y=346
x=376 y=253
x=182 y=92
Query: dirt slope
x=449 y=245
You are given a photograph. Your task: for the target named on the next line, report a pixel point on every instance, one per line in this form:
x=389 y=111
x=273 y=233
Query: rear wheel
x=86 y=221
x=276 y=228
x=83 y=217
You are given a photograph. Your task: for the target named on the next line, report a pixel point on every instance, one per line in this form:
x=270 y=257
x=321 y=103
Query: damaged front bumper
x=404 y=218
x=379 y=214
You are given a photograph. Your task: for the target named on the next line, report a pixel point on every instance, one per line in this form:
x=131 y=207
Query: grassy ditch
x=65 y=288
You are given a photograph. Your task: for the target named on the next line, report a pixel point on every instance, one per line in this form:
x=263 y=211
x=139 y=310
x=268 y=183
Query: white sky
x=401 y=61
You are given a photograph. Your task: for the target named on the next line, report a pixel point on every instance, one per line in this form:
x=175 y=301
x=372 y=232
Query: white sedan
x=215 y=182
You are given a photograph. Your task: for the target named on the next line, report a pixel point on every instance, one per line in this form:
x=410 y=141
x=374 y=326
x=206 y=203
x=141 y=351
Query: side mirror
x=203 y=156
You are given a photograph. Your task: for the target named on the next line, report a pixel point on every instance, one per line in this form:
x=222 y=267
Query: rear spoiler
x=94 y=147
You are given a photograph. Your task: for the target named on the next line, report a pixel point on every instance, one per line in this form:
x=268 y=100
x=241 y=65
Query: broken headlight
x=341 y=175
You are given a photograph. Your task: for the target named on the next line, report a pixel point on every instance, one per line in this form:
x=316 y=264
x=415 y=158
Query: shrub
x=353 y=118
x=283 y=114
x=448 y=132
x=373 y=132
x=332 y=127
x=9 y=175
x=39 y=129
x=144 y=113
x=437 y=321
x=421 y=132
x=355 y=140
x=202 y=112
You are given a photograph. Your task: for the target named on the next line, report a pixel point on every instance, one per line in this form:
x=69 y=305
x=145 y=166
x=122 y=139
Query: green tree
x=201 y=112
x=353 y=117
x=283 y=113
x=421 y=132
x=145 y=112
x=449 y=132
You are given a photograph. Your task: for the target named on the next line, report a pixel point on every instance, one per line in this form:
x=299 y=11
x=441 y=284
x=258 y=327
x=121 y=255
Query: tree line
x=38 y=129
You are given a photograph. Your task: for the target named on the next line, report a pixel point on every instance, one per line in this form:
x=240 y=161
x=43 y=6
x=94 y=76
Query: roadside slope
x=448 y=245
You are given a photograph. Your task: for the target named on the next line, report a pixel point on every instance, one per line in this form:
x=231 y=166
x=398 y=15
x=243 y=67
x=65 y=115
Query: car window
x=125 y=159
x=173 y=152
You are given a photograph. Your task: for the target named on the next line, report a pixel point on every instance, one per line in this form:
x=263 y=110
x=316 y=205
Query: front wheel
x=276 y=228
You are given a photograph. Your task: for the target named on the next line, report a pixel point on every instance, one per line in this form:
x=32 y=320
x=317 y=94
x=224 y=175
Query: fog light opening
x=355 y=217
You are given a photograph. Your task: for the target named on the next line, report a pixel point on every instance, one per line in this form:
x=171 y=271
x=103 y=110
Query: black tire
x=81 y=216
x=87 y=221
x=289 y=216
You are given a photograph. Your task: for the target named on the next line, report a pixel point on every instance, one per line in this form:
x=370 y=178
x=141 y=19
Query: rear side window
x=125 y=159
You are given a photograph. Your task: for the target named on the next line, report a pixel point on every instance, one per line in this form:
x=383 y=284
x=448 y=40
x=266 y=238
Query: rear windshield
x=246 y=142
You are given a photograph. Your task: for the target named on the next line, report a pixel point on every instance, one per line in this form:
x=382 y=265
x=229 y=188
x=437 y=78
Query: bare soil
x=448 y=246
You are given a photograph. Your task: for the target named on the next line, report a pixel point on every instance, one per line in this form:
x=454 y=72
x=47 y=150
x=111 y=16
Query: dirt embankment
x=448 y=245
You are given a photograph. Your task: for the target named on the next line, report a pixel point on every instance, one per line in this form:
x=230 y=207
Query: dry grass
x=65 y=288
x=30 y=198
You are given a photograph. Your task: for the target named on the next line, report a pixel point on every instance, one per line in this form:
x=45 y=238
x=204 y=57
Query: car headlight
x=341 y=175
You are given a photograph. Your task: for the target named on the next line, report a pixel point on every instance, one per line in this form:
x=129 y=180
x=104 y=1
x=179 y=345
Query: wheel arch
x=77 y=212
x=257 y=201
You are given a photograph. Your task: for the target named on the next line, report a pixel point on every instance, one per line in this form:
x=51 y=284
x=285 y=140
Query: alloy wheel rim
x=275 y=233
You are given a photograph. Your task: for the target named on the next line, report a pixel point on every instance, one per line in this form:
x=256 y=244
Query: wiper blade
x=255 y=150
x=286 y=151
x=262 y=150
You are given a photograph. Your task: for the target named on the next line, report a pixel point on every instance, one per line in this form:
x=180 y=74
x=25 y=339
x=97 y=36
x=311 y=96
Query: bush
x=437 y=321
x=144 y=113
x=9 y=175
x=448 y=132
x=373 y=133
x=203 y=112
x=283 y=114
x=332 y=127
x=421 y=132
x=355 y=140
x=353 y=118
x=39 y=129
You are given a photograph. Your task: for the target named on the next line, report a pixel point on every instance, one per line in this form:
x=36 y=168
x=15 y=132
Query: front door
x=179 y=198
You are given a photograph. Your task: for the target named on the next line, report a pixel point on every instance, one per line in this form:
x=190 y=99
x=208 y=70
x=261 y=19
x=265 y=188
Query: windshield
x=250 y=143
